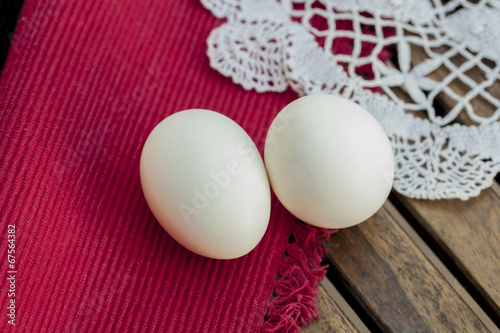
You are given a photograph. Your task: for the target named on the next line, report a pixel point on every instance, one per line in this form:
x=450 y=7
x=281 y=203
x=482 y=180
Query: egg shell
x=329 y=161
x=205 y=182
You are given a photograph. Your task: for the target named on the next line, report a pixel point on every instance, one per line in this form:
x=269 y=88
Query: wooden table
x=417 y=265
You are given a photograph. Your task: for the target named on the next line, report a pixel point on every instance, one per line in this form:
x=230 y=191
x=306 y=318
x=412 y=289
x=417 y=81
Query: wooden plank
x=480 y=105
x=332 y=318
x=394 y=283
x=466 y=234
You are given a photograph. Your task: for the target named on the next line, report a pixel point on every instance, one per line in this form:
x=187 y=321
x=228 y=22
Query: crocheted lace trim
x=450 y=51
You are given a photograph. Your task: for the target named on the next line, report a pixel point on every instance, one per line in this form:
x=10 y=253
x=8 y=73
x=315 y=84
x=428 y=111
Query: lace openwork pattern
x=445 y=53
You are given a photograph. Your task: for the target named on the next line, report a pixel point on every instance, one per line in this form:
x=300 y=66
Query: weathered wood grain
x=394 y=282
x=9 y=13
x=467 y=235
x=332 y=318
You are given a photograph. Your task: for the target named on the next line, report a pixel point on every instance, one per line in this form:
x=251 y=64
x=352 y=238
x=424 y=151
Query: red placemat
x=84 y=84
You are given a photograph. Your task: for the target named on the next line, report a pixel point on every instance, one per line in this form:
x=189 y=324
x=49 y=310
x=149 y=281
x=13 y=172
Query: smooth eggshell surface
x=206 y=184
x=329 y=161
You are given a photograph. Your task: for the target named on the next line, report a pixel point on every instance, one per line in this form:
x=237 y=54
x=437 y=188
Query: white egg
x=206 y=183
x=329 y=161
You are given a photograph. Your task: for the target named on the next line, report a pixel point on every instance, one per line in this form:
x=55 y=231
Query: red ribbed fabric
x=84 y=84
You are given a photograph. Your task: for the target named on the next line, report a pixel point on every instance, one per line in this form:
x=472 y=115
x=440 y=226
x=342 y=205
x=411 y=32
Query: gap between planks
x=440 y=266
x=344 y=306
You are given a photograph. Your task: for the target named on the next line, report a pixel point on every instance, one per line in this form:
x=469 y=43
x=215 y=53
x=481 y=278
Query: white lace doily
x=447 y=51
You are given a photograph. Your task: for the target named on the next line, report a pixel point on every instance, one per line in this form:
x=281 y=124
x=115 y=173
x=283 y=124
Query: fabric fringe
x=300 y=272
